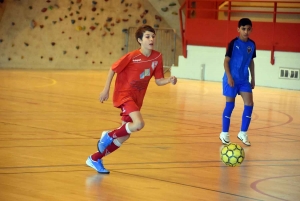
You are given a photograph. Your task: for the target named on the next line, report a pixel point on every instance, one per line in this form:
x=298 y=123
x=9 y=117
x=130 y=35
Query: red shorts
x=127 y=108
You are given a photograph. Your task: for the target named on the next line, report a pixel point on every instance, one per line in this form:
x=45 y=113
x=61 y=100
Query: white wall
x=211 y=58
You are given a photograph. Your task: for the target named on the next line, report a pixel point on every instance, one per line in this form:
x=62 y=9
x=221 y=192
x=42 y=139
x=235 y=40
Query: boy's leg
x=130 y=111
x=246 y=117
x=230 y=93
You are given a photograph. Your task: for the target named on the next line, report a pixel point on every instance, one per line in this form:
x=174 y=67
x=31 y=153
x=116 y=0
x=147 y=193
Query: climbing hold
x=174 y=13
x=112 y=33
x=158 y=17
x=12 y=45
x=94 y=9
x=118 y=20
x=100 y=62
x=46 y=17
x=71 y=14
x=42 y=57
x=156 y=26
x=50 y=7
x=107 y=28
x=139 y=5
x=112 y=24
x=125 y=10
x=144 y=21
x=84 y=18
x=92 y=28
x=70 y=8
x=41 y=26
x=9 y=58
x=79 y=7
x=88 y=33
x=77 y=12
x=78 y=28
x=77 y=47
x=109 y=19
x=79 y=18
x=1 y=40
x=72 y=2
x=30 y=7
x=54 y=22
x=92 y=18
x=86 y=52
x=165 y=9
x=122 y=1
x=172 y=4
x=50 y=59
x=13 y=23
x=53 y=43
x=62 y=32
x=65 y=52
x=33 y=24
x=70 y=38
x=124 y=20
x=44 y=10
x=101 y=9
x=104 y=34
x=22 y=57
x=56 y=6
x=78 y=1
x=125 y=30
x=94 y=2
x=137 y=21
x=48 y=1
x=73 y=21
x=96 y=23
x=26 y=44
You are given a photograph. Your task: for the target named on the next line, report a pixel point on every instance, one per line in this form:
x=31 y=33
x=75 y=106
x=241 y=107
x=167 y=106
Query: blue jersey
x=241 y=53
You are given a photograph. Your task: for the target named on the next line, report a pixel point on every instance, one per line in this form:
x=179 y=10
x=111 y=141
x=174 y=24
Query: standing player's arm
x=252 y=72
x=105 y=92
x=164 y=81
x=227 y=71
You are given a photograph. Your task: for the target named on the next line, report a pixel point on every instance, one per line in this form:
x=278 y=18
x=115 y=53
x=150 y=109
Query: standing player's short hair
x=141 y=30
x=244 y=22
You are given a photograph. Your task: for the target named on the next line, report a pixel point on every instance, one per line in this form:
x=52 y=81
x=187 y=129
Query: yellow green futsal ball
x=232 y=155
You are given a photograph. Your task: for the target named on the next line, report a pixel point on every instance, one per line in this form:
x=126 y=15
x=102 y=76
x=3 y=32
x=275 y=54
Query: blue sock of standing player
x=246 y=118
x=226 y=116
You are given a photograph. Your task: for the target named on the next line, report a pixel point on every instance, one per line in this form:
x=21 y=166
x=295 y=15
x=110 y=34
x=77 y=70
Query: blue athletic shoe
x=97 y=165
x=104 y=141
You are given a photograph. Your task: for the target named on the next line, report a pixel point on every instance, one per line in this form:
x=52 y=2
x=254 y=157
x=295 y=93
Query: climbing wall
x=69 y=34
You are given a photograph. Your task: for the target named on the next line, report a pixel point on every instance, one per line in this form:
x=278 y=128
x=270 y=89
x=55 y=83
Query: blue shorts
x=236 y=89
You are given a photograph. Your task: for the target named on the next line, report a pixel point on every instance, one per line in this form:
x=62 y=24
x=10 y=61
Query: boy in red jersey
x=134 y=71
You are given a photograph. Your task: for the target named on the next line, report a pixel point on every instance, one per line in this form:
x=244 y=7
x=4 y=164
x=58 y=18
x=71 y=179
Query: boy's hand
x=230 y=81
x=104 y=95
x=252 y=83
x=173 y=80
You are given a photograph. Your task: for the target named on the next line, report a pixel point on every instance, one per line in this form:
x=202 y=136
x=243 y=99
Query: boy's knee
x=137 y=125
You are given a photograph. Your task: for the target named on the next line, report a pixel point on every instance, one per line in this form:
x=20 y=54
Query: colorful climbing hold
x=172 y=4
x=26 y=44
x=73 y=21
x=92 y=28
x=53 y=43
x=165 y=9
x=44 y=10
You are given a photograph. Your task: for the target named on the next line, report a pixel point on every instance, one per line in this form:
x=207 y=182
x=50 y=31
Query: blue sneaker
x=104 y=141
x=97 y=165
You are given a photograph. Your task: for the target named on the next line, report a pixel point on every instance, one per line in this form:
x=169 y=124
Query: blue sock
x=226 y=116
x=246 y=118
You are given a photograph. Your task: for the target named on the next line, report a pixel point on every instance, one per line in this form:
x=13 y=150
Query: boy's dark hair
x=141 y=30
x=244 y=22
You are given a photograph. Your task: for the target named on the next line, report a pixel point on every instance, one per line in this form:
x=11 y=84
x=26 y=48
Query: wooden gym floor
x=50 y=122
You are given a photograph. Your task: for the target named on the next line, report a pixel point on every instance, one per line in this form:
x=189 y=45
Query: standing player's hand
x=252 y=83
x=104 y=95
x=173 y=80
x=230 y=82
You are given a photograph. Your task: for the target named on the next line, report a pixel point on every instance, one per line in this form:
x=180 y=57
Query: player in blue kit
x=238 y=61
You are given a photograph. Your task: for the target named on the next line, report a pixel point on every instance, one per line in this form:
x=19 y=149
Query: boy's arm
x=252 y=72
x=164 y=81
x=227 y=71
x=105 y=92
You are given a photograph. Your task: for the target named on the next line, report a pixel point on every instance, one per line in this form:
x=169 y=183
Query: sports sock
x=226 y=116
x=120 y=132
x=246 y=118
x=111 y=148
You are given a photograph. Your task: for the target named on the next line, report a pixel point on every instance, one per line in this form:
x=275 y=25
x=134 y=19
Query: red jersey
x=134 y=71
